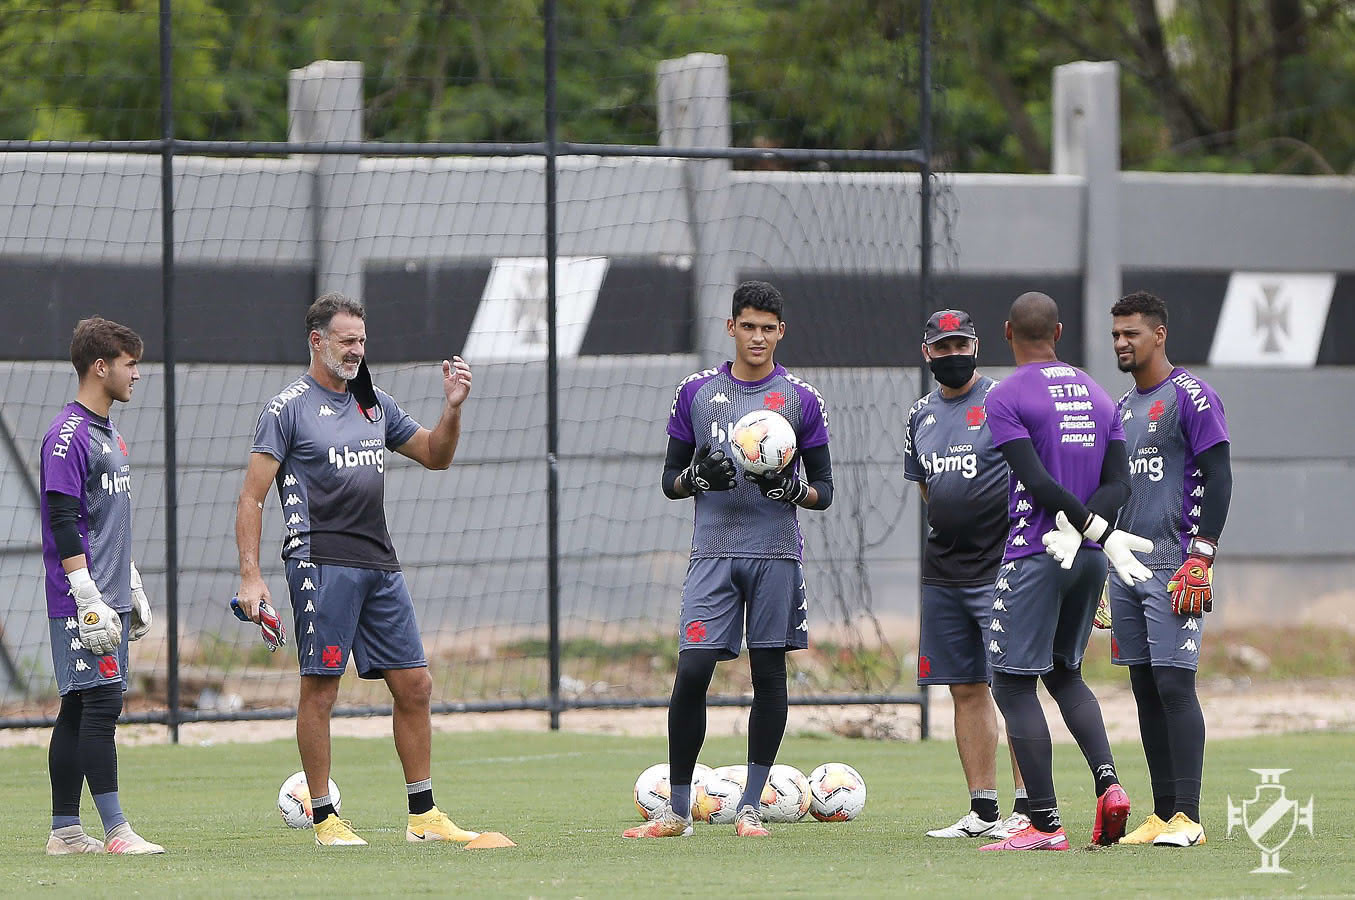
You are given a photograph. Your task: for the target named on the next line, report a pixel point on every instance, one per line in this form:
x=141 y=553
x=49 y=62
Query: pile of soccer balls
x=833 y=792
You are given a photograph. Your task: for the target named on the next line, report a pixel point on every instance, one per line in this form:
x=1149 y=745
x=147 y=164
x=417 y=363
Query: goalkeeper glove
x=100 y=627
x=709 y=471
x=1063 y=542
x=271 y=629
x=1191 y=586
x=141 y=609
x=780 y=486
x=1102 y=617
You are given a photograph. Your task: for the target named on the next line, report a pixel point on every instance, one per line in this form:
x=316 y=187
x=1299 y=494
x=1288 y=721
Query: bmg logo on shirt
x=372 y=454
x=960 y=458
x=1147 y=465
x=117 y=482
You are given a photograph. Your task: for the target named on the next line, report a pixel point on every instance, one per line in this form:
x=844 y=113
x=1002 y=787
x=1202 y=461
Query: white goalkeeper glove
x=141 y=609
x=1120 y=546
x=1064 y=541
x=100 y=627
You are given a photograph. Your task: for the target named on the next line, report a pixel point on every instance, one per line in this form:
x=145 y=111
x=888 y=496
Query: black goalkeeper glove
x=780 y=486
x=709 y=471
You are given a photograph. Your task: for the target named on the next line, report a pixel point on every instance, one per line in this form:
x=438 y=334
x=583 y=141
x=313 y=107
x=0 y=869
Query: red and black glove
x=1191 y=585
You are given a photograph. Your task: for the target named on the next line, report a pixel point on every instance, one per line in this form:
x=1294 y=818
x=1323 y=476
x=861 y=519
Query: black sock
x=1153 y=731
x=687 y=714
x=322 y=811
x=1082 y=714
x=1045 y=818
x=98 y=724
x=1185 y=733
x=1028 y=734
x=767 y=718
x=420 y=795
x=985 y=807
x=63 y=760
x=1021 y=804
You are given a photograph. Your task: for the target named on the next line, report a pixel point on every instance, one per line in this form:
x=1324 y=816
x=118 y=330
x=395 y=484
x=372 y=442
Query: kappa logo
x=1194 y=529
x=306 y=585
x=1191 y=625
x=310 y=607
x=999 y=605
x=289 y=481
x=1022 y=523
x=75 y=643
x=1196 y=474
x=295 y=519
x=310 y=629
x=993 y=647
x=930 y=420
x=305 y=564
x=1020 y=541
x=1019 y=487
x=996 y=625
x=71 y=624
x=1191 y=645
x=293 y=543
x=1194 y=511
x=107 y=448
x=292 y=500
x=1002 y=584
x=1126 y=414
x=1198 y=492
x=80 y=665
x=1023 y=505
x=325 y=410
x=803 y=626
x=719 y=398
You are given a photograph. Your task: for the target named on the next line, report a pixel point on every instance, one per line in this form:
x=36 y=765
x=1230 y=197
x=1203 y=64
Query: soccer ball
x=717 y=800
x=763 y=441
x=653 y=789
x=837 y=793
x=294 y=801
x=736 y=774
x=786 y=796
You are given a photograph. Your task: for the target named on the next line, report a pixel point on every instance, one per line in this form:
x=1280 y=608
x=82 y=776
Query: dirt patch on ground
x=1232 y=707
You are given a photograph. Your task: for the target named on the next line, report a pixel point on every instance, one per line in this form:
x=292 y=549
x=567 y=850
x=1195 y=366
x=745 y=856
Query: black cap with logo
x=946 y=323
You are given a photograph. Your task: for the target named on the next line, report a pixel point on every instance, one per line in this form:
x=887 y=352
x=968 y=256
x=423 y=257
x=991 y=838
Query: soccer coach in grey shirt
x=323 y=442
x=962 y=477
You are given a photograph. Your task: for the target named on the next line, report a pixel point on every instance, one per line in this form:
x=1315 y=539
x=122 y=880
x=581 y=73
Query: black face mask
x=953 y=371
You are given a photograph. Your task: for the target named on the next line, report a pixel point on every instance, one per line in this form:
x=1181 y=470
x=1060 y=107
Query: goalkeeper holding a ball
x=745 y=580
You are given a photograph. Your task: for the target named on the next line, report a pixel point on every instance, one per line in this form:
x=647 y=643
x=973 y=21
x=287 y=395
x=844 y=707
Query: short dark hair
x=1150 y=306
x=98 y=338
x=327 y=306
x=1034 y=317
x=757 y=295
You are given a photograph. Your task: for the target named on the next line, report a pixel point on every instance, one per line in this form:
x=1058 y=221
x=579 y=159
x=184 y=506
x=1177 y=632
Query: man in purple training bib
x=1061 y=437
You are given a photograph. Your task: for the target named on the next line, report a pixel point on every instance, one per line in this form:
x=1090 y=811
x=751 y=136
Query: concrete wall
x=472 y=538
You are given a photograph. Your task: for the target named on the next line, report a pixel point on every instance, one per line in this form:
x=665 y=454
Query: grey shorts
x=78 y=669
x=1042 y=612
x=954 y=627
x=1145 y=630
x=719 y=594
x=338 y=610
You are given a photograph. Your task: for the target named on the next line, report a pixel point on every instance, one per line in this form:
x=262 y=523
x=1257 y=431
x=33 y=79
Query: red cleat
x=1112 y=811
x=1032 y=838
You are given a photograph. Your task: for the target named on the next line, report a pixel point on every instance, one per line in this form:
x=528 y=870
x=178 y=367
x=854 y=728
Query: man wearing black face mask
x=962 y=477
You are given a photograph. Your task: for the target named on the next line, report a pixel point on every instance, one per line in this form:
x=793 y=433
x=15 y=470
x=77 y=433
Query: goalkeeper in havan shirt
x=323 y=442
x=95 y=604
x=746 y=550
x=1060 y=434
x=1182 y=482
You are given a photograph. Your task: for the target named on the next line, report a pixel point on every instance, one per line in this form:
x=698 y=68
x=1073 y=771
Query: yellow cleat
x=336 y=832
x=1180 y=832
x=435 y=826
x=1145 y=833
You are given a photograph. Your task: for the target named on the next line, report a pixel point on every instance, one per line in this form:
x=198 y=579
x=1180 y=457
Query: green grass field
x=565 y=798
